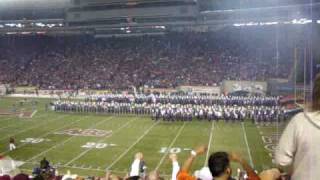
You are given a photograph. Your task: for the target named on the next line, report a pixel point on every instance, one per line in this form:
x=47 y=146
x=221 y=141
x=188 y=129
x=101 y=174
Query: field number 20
x=92 y=145
x=33 y=140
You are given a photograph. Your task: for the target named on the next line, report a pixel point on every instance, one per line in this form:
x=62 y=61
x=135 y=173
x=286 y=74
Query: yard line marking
x=209 y=144
x=50 y=132
x=10 y=125
x=170 y=146
x=247 y=144
x=20 y=119
x=34 y=112
x=67 y=140
x=101 y=140
x=136 y=142
x=32 y=127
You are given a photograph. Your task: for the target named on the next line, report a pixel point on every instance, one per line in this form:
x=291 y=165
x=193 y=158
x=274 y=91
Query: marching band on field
x=181 y=108
x=187 y=99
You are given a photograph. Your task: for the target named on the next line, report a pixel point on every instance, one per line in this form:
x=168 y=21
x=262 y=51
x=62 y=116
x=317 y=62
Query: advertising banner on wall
x=201 y=89
x=252 y=87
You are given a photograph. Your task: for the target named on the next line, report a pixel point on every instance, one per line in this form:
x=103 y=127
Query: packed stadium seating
x=166 y=61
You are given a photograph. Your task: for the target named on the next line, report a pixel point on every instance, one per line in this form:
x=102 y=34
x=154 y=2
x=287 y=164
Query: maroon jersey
x=11 y=140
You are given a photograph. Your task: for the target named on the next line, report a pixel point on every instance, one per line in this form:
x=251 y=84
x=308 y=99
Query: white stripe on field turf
x=34 y=112
x=32 y=127
x=247 y=144
x=136 y=142
x=209 y=144
x=170 y=146
x=66 y=140
x=18 y=122
x=101 y=140
x=48 y=133
x=16 y=119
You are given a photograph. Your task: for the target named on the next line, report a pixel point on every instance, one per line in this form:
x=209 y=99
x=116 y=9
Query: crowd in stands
x=120 y=63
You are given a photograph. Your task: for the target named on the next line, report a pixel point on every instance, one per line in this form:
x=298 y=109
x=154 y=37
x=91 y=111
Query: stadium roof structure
x=103 y=18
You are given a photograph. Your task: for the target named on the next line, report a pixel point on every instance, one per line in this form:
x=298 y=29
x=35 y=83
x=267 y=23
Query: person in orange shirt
x=183 y=174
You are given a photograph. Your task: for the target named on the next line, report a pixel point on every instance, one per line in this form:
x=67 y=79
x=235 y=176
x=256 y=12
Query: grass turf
x=130 y=134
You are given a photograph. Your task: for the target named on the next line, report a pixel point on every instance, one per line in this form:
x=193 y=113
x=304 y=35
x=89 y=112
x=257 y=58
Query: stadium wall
x=253 y=87
x=201 y=89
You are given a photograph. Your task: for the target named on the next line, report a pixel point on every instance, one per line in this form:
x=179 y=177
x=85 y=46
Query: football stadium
x=159 y=89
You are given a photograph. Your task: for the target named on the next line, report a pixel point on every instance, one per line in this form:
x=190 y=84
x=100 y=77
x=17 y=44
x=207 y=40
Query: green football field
x=47 y=134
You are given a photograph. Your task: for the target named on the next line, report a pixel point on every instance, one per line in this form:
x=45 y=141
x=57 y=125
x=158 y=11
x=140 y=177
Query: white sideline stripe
x=170 y=146
x=128 y=149
x=82 y=168
x=101 y=140
x=209 y=144
x=12 y=119
x=65 y=141
x=50 y=132
x=34 y=112
x=32 y=127
x=247 y=144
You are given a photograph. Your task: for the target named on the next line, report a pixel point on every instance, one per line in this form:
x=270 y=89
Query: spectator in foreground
x=5 y=177
x=175 y=166
x=44 y=164
x=270 y=174
x=185 y=170
x=219 y=165
x=298 y=149
x=12 y=145
x=110 y=176
x=21 y=176
x=154 y=175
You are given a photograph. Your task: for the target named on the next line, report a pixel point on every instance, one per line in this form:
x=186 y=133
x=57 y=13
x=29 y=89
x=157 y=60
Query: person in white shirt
x=175 y=166
x=12 y=145
x=137 y=165
x=299 y=145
